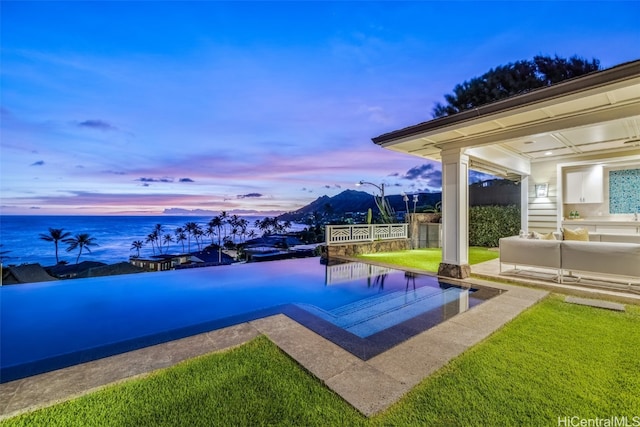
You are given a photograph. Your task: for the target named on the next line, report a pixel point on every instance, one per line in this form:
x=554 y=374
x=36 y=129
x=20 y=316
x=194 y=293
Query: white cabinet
x=584 y=186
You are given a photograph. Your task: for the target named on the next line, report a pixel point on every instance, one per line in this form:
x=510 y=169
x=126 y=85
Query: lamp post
x=379 y=187
x=415 y=202
x=383 y=206
x=406 y=204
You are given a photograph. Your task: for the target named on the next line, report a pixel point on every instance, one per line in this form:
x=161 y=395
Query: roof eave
x=579 y=84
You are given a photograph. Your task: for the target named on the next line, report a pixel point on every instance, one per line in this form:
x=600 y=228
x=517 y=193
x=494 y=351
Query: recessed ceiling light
x=548 y=153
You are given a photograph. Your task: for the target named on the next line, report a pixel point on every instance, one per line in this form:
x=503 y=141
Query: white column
x=524 y=203
x=455 y=214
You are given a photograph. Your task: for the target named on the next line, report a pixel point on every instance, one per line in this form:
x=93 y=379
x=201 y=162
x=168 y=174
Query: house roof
x=27 y=273
x=111 y=270
x=592 y=114
x=73 y=269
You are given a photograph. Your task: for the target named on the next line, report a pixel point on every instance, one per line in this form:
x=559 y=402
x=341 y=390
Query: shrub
x=487 y=224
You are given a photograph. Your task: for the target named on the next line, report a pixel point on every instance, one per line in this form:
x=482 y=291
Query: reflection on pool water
x=364 y=308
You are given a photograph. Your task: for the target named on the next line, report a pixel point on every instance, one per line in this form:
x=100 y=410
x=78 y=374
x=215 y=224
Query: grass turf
x=426 y=259
x=254 y=384
x=554 y=360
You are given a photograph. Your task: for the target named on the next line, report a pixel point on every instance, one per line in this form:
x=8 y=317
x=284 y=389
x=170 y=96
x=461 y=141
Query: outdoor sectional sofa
x=613 y=254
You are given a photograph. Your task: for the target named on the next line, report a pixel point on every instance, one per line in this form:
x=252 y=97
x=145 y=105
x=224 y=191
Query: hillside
x=355 y=201
x=493 y=192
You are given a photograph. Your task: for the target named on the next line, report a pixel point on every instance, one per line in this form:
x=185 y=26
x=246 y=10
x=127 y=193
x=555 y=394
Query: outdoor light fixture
x=379 y=187
x=415 y=202
x=383 y=205
x=542 y=190
x=406 y=203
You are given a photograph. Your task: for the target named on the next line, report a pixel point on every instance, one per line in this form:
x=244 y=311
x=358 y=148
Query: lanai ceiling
x=594 y=114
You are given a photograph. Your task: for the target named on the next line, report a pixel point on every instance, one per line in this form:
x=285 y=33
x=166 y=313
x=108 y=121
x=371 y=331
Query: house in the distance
x=27 y=273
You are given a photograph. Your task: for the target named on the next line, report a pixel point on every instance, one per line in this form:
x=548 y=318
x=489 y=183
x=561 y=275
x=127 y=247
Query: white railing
x=339 y=234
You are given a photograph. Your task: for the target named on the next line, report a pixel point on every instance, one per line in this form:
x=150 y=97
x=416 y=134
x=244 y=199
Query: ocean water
x=20 y=236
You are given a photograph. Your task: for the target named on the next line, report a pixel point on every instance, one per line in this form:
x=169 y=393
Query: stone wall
x=354 y=249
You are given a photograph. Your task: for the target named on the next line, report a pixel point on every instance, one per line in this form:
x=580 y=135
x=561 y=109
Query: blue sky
x=135 y=107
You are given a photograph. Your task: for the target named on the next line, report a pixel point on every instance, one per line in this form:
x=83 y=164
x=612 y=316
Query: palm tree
x=157 y=231
x=264 y=225
x=224 y=218
x=189 y=228
x=180 y=236
x=55 y=235
x=217 y=222
x=152 y=238
x=168 y=238
x=198 y=233
x=234 y=222
x=82 y=241
x=244 y=225
x=137 y=245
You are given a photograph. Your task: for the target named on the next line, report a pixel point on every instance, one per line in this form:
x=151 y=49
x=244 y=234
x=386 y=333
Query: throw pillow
x=581 y=234
x=542 y=236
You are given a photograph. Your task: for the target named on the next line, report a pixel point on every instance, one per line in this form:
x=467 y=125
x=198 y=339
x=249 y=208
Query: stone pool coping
x=370 y=386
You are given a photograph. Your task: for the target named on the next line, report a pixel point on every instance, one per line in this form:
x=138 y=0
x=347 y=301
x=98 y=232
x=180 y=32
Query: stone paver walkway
x=370 y=386
x=595 y=303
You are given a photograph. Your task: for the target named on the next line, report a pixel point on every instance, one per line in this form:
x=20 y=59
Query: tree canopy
x=513 y=79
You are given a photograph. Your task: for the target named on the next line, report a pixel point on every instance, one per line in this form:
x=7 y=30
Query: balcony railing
x=340 y=234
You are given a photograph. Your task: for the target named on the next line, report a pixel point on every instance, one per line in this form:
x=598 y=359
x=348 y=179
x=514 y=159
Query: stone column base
x=454 y=271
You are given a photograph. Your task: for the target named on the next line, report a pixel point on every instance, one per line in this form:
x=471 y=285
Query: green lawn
x=554 y=360
x=426 y=259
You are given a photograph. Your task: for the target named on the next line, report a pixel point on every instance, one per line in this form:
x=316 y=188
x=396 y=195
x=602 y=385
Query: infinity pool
x=47 y=326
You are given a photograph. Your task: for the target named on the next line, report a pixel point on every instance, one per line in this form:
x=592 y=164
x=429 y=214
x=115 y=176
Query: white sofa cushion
x=601 y=257
x=544 y=253
x=620 y=238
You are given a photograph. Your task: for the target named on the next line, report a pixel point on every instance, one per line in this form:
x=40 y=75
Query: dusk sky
x=136 y=107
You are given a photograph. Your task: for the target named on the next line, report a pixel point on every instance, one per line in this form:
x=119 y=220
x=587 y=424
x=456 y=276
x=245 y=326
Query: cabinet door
x=592 y=183
x=573 y=187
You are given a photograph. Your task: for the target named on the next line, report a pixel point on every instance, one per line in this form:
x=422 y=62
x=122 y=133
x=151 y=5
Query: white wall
x=543 y=210
x=601 y=210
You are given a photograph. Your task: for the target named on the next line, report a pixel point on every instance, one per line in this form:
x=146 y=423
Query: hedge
x=487 y=224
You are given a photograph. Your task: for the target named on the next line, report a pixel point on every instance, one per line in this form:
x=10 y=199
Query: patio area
x=585 y=285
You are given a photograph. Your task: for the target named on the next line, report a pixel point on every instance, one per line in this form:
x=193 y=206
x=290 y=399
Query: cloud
x=425 y=172
x=377 y=115
x=38 y=163
x=420 y=172
x=475 y=176
x=97 y=124
x=186 y=180
x=249 y=195
x=143 y=179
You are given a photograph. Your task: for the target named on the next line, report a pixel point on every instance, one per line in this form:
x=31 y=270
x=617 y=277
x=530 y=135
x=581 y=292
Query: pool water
x=50 y=325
